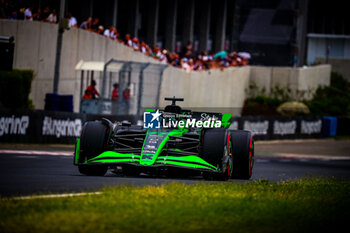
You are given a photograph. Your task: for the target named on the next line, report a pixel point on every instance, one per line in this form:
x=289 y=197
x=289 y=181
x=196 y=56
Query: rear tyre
x=216 y=151
x=93 y=142
x=242 y=154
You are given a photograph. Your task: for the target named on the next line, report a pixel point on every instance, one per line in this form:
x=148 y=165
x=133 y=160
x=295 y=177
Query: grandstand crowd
x=186 y=59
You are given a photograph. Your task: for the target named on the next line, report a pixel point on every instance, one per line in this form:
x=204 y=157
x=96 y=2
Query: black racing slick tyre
x=216 y=151
x=242 y=154
x=93 y=142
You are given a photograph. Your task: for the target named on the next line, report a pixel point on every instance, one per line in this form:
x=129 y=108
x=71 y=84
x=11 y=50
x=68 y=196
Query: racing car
x=215 y=153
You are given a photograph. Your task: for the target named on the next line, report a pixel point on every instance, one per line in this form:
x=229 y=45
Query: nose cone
x=152 y=147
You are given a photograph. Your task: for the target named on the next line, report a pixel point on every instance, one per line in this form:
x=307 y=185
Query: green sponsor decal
x=77 y=151
x=190 y=160
x=225 y=120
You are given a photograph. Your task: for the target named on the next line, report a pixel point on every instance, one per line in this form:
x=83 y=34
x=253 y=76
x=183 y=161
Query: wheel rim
x=250 y=155
x=227 y=153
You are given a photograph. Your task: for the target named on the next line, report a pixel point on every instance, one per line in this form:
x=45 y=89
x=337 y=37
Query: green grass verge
x=342 y=137
x=309 y=205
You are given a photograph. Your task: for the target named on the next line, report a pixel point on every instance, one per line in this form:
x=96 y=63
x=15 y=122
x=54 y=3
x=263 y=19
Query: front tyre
x=93 y=139
x=216 y=150
x=93 y=142
x=242 y=154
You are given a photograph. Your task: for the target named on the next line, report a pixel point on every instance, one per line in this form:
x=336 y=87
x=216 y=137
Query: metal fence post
x=160 y=84
x=139 y=99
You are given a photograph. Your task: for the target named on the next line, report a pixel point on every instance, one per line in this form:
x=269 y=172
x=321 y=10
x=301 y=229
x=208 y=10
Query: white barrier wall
x=214 y=89
x=35 y=48
x=302 y=81
x=339 y=65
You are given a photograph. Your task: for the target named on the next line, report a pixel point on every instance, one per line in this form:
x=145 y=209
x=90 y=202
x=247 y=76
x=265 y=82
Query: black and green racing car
x=188 y=144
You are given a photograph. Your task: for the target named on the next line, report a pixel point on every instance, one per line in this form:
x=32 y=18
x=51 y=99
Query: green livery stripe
x=77 y=150
x=114 y=160
x=184 y=161
x=191 y=159
x=115 y=156
x=184 y=164
x=126 y=157
x=172 y=149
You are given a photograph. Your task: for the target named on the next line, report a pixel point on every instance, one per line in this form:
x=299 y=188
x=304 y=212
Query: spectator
x=52 y=17
x=191 y=64
x=176 y=60
x=187 y=50
x=114 y=34
x=205 y=59
x=92 y=89
x=205 y=56
x=72 y=20
x=45 y=14
x=126 y=93
x=100 y=30
x=109 y=32
x=234 y=57
x=21 y=13
x=198 y=65
x=28 y=14
x=245 y=58
x=187 y=61
x=143 y=47
x=126 y=98
x=115 y=91
x=163 y=57
x=87 y=95
x=156 y=52
x=128 y=40
x=37 y=15
x=86 y=24
x=149 y=51
x=94 y=25
x=239 y=61
x=135 y=43
x=184 y=64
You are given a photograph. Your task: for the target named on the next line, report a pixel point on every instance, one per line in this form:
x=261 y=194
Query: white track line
x=303 y=156
x=322 y=157
x=36 y=152
x=55 y=196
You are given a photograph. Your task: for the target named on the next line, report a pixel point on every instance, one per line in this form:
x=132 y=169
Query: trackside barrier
x=330 y=126
x=55 y=102
x=343 y=126
x=278 y=127
x=38 y=126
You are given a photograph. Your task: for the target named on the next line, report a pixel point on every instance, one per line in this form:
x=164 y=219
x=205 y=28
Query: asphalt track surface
x=23 y=173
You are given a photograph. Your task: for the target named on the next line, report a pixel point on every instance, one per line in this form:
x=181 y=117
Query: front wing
x=114 y=158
